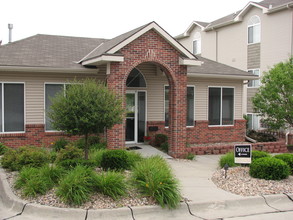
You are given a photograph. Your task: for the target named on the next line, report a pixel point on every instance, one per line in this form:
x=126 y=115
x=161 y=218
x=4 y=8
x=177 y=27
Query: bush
x=153 y=177
x=98 y=146
x=288 y=158
x=228 y=158
x=92 y=140
x=133 y=158
x=165 y=147
x=160 y=139
x=259 y=154
x=25 y=156
x=269 y=168
x=189 y=156
x=72 y=163
x=261 y=137
x=76 y=186
x=3 y=149
x=34 y=181
x=115 y=160
x=111 y=184
x=69 y=153
x=96 y=156
x=53 y=156
x=60 y=144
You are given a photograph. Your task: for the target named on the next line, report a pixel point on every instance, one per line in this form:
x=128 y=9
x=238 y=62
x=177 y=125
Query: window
x=190 y=106
x=11 y=107
x=253 y=121
x=253 y=30
x=254 y=83
x=51 y=90
x=221 y=106
x=135 y=79
x=196 y=45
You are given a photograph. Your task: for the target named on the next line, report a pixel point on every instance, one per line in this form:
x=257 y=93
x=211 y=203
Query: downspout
x=216 y=45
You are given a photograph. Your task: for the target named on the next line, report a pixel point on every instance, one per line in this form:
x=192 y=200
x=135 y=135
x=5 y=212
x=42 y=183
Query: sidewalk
x=204 y=199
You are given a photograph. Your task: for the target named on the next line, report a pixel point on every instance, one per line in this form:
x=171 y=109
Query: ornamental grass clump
x=111 y=183
x=75 y=188
x=228 y=158
x=269 y=168
x=154 y=178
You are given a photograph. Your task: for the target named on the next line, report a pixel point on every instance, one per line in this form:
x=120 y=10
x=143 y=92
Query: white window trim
x=51 y=83
x=190 y=126
x=253 y=25
x=24 y=106
x=221 y=125
x=137 y=88
x=253 y=87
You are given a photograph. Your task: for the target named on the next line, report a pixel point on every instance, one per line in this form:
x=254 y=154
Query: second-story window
x=253 y=28
x=196 y=44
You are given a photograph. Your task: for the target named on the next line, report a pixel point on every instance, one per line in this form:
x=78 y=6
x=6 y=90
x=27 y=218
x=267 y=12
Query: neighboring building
x=253 y=39
x=166 y=88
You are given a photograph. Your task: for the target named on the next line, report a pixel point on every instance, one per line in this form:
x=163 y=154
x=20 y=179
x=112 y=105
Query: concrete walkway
x=203 y=199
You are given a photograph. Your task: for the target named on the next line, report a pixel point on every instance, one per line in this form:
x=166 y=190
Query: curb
x=216 y=209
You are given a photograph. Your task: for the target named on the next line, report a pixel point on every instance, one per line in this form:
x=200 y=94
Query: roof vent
x=10 y=27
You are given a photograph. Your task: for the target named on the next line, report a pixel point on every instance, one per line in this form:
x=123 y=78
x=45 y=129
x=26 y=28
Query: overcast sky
x=106 y=18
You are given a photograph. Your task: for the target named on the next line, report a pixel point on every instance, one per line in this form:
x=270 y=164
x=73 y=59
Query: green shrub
x=133 y=158
x=53 y=156
x=92 y=140
x=259 y=154
x=165 y=147
x=96 y=156
x=3 y=148
x=288 y=158
x=261 y=137
x=33 y=181
x=9 y=160
x=154 y=178
x=228 y=158
x=160 y=139
x=25 y=156
x=69 y=153
x=60 y=144
x=112 y=184
x=115 y=160
x=72 y=163
x=189 y=156
x=269 y=168
x=76 y=186
x=98 y=146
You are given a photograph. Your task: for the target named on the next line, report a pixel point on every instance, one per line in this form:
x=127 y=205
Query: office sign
x=242 y=153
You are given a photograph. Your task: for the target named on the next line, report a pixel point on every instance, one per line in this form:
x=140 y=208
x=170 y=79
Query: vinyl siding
x=34 y=89
x=253 y=56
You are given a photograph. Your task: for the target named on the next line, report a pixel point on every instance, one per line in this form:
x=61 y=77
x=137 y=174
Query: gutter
x=279 y=8
x=222 y=76
x=47 y=69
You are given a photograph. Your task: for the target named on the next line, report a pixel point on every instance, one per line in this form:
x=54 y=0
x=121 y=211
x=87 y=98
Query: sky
x=106 y=18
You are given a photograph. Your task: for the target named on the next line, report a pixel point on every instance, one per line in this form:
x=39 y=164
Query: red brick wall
x=35 y=135
x=151 y=47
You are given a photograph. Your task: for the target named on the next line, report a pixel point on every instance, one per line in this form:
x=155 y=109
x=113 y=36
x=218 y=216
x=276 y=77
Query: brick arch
x=152 y=48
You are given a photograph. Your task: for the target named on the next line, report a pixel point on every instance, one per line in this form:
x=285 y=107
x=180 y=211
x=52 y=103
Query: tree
x=274 y=100
x=87 y=108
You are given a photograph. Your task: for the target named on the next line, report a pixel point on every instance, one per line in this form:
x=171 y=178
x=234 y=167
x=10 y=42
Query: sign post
x=242 y=153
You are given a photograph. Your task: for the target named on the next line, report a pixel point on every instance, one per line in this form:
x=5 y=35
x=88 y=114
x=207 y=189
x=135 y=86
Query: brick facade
x=151 y=47
x=34 y=135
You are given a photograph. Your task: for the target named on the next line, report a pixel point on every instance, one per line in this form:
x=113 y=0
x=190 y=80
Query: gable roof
x=186 y=33
x=47 y=51
x=110 y=48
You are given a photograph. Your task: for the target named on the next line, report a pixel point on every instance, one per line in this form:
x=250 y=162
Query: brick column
x=177 y=127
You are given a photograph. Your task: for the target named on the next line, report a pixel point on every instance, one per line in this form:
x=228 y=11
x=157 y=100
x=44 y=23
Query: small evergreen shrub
x=9 y=160
x=3 y=148
x=269 y=168
x=259 y=154
x=115 y=160
x=96 y=156
x=154 y=178
x=76 y=186
x=98 y=146
x=288 y=158
x=111 y=183
x=160 y=139
x=60 y=144
x=228 y=158
x=69 y=153
x=189 y=156
x=165 y=147
x=261 y=137
x=92 y=140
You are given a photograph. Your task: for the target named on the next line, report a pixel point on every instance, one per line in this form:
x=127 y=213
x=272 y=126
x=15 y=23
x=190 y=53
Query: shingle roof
x=47 y=51
x=215 y=68
x=107 y=45
x=274 y=3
